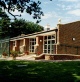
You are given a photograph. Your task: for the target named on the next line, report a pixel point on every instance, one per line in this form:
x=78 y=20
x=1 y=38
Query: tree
x=23 y=27
x=18 y=26
x=30 y=6
x=4 y=24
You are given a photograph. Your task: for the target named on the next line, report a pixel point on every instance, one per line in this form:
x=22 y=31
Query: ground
x=38 y=71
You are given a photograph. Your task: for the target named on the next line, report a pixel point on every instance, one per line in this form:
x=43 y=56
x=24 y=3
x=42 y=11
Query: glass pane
x=32 y=47
x=45 y=51
x=45 y=46
x=45 y=37
x=48 y=42
x=32 y=50
x=32 y=43
x=52 y=51
x=53 y=41
x=45 y=42
x=48 y=51
x=48 y=46
x=53 y=37
x=32 y=39
x=51 y=46
x=49 y=37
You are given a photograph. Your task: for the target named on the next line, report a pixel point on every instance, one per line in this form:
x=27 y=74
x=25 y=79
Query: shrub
x=4 y=54
x=14 y=53
x=26 y=52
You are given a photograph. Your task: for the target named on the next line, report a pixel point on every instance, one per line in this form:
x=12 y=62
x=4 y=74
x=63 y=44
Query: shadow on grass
x=22 y=71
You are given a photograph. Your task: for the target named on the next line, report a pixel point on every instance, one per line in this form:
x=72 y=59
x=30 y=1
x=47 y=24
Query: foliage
x=4 y=24
x=4 y=54
x=3 y=14
x=23 y=27
x=39 y=71
x=31 y=7
x=26 y=52
x=14 y=53
x=19 y=27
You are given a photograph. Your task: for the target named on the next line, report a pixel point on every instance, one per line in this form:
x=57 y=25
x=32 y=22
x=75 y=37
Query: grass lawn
x=24 y=71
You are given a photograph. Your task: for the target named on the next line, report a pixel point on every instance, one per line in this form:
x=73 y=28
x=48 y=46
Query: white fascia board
x=33 y=36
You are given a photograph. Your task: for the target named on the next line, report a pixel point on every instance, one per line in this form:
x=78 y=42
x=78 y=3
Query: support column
x=15 y=45
x=58 y=34
x=36 y=45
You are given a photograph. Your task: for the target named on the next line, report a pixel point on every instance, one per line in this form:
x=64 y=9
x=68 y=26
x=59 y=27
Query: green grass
x=39 y=71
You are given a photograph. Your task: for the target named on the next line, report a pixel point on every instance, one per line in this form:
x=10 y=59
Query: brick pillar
x=26 y=44
x=14 y=46
x=39 y=42
x=17 y=45
x=58 y=34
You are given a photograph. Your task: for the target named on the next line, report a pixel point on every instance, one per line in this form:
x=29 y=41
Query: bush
x=26 y=52
x=4 y=54
x=14 y=53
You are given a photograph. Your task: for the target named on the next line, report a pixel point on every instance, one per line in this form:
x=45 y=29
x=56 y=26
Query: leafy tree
x=30 y=6
x=4 y=24
x=21 y=26
x=18 y=27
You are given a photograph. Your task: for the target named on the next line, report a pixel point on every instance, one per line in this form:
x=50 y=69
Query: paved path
x=25 y=57
x=31 y=58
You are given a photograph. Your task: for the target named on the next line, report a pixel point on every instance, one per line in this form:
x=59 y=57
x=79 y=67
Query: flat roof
x=34 y=34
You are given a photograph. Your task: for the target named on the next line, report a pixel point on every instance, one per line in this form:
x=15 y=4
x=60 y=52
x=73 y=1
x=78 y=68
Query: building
x=65 y=39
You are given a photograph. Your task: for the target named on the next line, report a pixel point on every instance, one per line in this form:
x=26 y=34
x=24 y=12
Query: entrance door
x=32 y=42
x=49 y=44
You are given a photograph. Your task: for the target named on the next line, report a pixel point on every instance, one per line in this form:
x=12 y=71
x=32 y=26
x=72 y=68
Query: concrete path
x=25 y=57
x=31 y=58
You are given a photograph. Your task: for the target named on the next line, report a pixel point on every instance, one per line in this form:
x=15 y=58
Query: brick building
x=65 y=39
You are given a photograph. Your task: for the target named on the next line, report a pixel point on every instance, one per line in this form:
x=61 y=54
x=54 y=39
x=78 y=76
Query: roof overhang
x=34 y=35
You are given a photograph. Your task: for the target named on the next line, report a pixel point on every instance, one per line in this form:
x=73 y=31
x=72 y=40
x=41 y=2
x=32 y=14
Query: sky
x=66 y=10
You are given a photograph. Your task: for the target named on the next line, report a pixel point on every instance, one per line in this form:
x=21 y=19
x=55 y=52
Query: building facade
x=65 y=39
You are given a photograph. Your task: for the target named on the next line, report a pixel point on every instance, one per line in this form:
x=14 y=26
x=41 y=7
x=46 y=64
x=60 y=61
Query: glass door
x=49 y=41
x=32 y=42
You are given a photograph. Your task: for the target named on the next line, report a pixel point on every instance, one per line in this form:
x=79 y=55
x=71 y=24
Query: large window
x=32 y=42
x=49 y=44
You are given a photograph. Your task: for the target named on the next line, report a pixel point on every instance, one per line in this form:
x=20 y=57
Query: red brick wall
x=17 y=48
x=40 y=47
x=11 y=45
x=65 y=34
x=17 y=45
x=66 y=57
x=26 y=44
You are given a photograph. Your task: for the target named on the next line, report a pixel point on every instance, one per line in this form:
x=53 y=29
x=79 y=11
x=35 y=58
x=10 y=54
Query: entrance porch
x=35 y=44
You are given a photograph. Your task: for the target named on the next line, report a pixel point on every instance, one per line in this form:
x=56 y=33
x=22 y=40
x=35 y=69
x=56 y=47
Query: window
x=49 y=44
x=32 y=42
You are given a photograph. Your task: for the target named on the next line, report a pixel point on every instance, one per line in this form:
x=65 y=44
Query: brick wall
x=26 y=44
x=11 y=45
x=17 y=45
x=66 y=33
x=40 y=47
